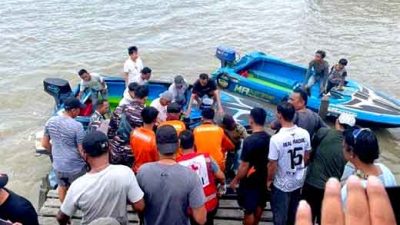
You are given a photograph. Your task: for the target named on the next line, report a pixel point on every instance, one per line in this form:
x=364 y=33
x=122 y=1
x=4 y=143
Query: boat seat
x=273 y=78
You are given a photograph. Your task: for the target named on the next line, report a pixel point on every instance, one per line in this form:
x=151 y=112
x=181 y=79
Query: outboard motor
x=226 y=55
x=59 y=89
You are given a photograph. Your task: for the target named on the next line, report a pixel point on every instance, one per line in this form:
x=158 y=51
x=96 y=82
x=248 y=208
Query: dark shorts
x=65 y=179
x=251 y=198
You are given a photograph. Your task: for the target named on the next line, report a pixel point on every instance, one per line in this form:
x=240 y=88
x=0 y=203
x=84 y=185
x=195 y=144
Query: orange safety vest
x=144 y=148
x=210 y=138
x=177 y=124
x=201 y=165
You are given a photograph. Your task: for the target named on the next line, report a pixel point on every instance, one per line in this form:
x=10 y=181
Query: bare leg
x=248 y=219
x=257 y=215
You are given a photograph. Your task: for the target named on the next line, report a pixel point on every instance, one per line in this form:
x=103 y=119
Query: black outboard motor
x=226 y=55
x=59 y=89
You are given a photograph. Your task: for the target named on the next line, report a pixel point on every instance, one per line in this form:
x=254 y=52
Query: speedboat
x=270 y=79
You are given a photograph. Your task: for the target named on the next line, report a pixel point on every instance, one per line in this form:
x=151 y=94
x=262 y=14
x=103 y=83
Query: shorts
x=251 y=198
x=65 y=179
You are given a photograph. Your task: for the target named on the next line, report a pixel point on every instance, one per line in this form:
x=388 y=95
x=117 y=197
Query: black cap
x=95 y=143
x=73 y=103
x=167 y=139
x=179 y=80
x=3 y=180
x=174 y=108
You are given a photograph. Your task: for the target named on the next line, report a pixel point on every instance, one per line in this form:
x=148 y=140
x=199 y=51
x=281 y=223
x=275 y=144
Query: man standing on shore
x=170 y=189
x=252 y=172
x=66 y=135
x=288 y=156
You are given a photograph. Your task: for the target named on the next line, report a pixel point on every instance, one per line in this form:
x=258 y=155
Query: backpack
x=124 y=128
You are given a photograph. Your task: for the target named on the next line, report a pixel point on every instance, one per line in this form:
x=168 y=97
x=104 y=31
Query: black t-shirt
x=255 y=152
x=18 y=209
x=204 y=90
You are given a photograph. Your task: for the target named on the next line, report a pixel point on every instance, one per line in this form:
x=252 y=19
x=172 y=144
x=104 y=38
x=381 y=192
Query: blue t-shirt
x=65 y=134
x=387 y=178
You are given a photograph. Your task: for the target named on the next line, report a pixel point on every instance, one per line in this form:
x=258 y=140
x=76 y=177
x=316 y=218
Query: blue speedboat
x=270 y=79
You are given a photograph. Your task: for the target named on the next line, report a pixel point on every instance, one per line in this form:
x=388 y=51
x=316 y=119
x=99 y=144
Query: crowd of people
x=147 y=157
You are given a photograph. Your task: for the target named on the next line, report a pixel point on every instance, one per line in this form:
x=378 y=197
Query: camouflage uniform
x=95 y=121
x=120 y=151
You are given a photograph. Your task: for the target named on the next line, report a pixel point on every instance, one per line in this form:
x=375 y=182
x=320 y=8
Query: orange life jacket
x=200 y=163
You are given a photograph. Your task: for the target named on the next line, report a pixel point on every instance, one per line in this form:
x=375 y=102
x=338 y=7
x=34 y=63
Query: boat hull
x=271 y=80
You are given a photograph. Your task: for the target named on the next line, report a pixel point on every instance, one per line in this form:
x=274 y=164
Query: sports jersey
x=288 y=147
x=210 y=138
x=144 y=148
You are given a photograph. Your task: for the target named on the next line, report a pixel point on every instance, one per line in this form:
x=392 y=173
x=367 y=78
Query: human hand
x=365 y=206
x=269 y=183
x=234 y=183
x=221 y=111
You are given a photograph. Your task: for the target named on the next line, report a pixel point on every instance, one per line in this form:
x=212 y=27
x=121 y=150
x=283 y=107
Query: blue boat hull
x=271 y=79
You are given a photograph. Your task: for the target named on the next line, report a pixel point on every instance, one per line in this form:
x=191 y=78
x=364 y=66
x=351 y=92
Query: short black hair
x=132 y=86
x=303 y=94
x=100 y=102
x=259 y=115
x=149 y=114
x=203 y=76
x=186 y=139
x=208 y=113
x=146 y=70
x=286 y=110
x=322 y=53
x=343 y=62
x=229 y=122
x=141 y=91
x=364 y=145
x=132 y=50
x=82 y=71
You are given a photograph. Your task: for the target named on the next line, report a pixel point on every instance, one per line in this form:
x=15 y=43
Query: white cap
x=347 y=118
x=166 y=95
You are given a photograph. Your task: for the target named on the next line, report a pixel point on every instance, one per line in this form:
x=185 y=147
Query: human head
x=174 y=111
x=73 y=107
x=360 y=145
x=298 y=99
x=84 y=75
x=131 y=88
x=3 y=180
x=228 y=122
x=141 y=93
x=319 y=55
x=167 y=140
x=342 y=63
x=165 y=98
x=102 y=106
x=149 y=115
x=257 y=117
x=207 y=114
x=133 y=52
x=145 y=73
x=186 y=139
x=95 y=144
x=345 y=121
x=179 y=81
x=285 y=112
x=203 y=78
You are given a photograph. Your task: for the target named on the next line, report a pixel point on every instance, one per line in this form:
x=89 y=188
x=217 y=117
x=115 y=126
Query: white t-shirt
x=288 y=147
x=95 y=82
x=138 y=80
x=103 y=194
x=177 y=93
x=162 y=110
x=133 y=68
